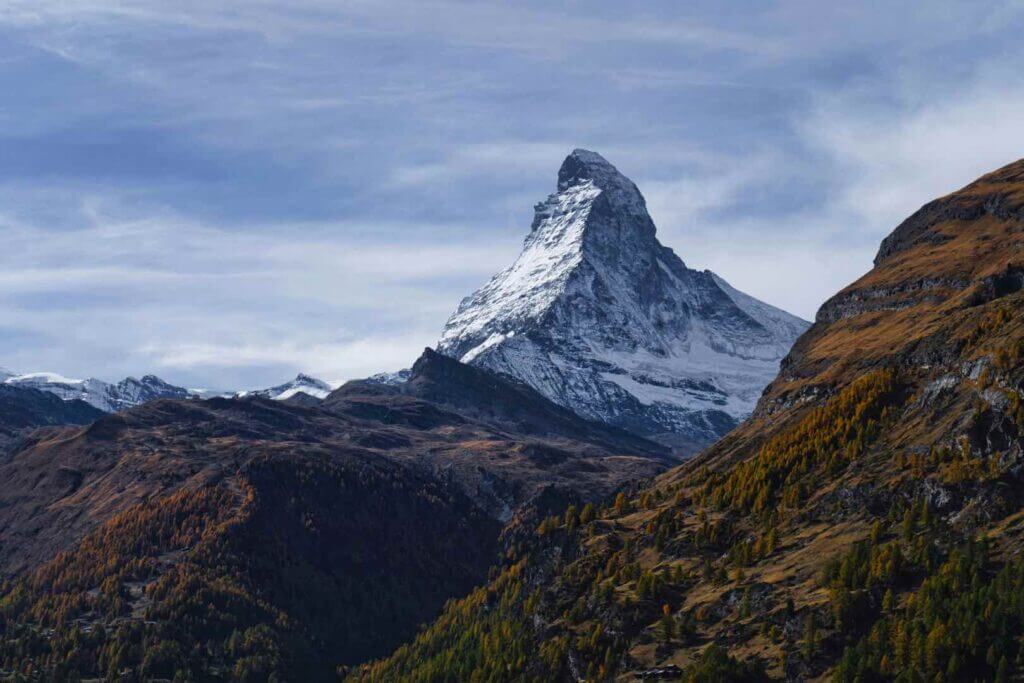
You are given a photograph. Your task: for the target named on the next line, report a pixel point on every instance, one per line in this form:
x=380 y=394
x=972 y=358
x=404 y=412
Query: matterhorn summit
x=601 y=318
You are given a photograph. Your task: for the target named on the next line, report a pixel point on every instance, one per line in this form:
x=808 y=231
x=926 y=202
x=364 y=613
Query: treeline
x=826 y=440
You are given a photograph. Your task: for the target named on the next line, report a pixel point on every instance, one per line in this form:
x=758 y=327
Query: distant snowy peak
x=107 y=397
x=302 y=384
x=598 y=316
x=390 y=378
x=33 y=379
x=131 y=392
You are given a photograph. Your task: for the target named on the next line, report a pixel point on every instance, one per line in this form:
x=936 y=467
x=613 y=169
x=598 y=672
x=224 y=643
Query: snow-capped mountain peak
x=555 y=248
x=301 y=384
x=396 y=378
x=45 y=378
x=132 y=392
x=110 y=398
x=583 y=167
x=598 y=316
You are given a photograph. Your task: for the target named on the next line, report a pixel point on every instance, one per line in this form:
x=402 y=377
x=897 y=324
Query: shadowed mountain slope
x=22 y=408
x=498 y=400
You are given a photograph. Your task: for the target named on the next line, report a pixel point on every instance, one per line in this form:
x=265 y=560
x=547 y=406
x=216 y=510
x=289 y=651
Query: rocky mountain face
x=599 y=317
x=107 y=397
x=270 y=538
x=863 y=524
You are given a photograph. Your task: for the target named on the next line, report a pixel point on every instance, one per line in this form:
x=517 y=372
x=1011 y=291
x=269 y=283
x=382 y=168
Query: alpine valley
x=520 y=505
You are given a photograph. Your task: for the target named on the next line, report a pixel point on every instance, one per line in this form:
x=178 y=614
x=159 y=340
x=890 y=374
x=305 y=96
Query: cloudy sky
x=225 y=193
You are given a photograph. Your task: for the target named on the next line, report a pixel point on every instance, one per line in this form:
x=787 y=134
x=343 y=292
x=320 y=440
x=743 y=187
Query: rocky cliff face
x=601 y=318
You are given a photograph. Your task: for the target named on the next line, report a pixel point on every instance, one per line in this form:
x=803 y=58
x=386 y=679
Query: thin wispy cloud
x=212 y=305
x=227 y=193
